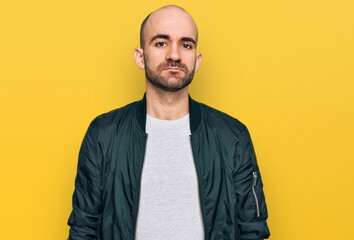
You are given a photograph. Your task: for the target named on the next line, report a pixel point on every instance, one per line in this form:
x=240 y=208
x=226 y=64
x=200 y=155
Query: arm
x=251 y=206
x=86 y=201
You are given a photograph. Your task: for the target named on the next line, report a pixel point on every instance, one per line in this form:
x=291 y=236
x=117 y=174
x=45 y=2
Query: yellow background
x=284 y=68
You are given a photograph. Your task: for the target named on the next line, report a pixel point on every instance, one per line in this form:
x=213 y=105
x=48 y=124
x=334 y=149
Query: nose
x=173 y=53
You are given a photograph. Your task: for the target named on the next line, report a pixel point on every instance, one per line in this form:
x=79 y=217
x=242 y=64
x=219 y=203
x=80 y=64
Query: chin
x=178 y=76
x=174 y=81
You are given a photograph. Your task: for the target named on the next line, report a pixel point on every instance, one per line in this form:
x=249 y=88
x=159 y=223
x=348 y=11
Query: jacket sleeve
x=86 y=201
x=251 y=206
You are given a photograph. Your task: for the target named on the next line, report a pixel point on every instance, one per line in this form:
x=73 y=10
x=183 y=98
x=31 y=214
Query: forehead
x=173 y=22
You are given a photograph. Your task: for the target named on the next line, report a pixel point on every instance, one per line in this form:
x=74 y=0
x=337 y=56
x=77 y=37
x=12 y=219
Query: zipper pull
x=254 y=179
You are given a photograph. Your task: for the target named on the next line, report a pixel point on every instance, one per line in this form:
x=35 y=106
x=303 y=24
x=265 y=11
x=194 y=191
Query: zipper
x=200 y=200
x=254 y=192
x=98 y=224
x=138 y=197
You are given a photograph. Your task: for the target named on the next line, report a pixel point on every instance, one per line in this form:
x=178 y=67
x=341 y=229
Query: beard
x=163 y=83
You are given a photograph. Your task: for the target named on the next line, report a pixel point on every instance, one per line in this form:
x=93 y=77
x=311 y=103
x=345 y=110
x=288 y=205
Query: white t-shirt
x=169 y=205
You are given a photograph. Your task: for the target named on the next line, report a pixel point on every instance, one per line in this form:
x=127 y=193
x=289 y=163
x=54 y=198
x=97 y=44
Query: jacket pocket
x=254 y=182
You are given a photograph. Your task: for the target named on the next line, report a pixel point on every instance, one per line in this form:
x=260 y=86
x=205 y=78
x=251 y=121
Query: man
x=167 y=167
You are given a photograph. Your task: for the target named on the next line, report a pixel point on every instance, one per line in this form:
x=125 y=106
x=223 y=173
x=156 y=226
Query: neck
x=166 y=105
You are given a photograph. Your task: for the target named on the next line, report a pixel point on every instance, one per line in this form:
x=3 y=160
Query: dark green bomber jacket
x=107 y=185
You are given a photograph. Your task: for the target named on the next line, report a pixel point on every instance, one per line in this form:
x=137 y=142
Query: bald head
x=165 y=13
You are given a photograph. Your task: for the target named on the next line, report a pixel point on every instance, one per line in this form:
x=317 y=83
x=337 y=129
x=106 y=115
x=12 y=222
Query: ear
x=139 y=57
x=198 y=61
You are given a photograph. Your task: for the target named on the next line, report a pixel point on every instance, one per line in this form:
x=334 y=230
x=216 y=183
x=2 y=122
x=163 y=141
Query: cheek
x=154 y=58
x=190 y=61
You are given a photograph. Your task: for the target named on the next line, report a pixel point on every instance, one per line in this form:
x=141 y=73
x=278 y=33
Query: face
x=169 y=55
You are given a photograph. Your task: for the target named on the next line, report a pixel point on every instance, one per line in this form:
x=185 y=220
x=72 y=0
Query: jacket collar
x=194 y=113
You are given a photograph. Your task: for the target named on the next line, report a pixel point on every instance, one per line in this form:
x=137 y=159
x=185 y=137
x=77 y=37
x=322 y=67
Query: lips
x=174 y=69
x=172 y=66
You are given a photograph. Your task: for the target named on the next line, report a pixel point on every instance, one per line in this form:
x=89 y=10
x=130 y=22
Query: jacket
x=107 y=184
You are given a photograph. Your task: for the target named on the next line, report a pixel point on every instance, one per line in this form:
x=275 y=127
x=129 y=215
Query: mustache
x=176 y=64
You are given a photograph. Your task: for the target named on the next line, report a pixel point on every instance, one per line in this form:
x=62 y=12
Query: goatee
x=163 y=82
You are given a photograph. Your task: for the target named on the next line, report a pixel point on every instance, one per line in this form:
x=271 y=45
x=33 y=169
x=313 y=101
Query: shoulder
x=113 y=118
x=222 y=121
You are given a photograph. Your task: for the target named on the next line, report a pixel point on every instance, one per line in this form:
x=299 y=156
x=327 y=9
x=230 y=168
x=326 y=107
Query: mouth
x=174 y=69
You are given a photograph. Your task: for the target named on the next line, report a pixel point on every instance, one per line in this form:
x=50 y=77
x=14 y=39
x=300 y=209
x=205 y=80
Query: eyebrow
x=165 y=36
x=188 y=39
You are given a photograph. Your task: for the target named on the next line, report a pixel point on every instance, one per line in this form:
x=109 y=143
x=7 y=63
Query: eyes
x=163 y=44
x=160 y=44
